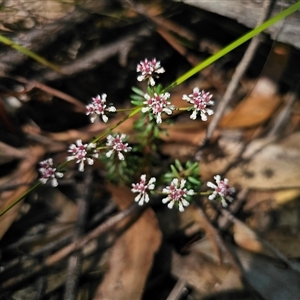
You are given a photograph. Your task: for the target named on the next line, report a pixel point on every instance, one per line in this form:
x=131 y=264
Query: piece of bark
x=247 y=13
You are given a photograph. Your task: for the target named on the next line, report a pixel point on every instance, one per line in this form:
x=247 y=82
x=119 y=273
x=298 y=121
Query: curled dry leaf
x=132 y=254
x=251 y=112
x=201 y=270
x=273 y=166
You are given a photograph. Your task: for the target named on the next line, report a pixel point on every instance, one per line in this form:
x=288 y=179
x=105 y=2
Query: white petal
x=59 y=174
x=194 y=115
x=167 y=111
x=184 y=202
x=175 y=181
x=161 y=70
x=190 y=192
x=151 y=81
x=180 y=206
x=121 y=156
x=203 y=116
x=151 y=186
x=112 y=109
x=81 y=166
x=158 y=118
x=217 y=178
x=212 y=197
x=186 y=98
x=54 y=182
x=90 y=161
x=104 y=118
x=146 y=196
x=209 y=112
x=182 y=184
x=211 y=185
x=43 y=180
x=137 y=198
x=152 y=180
x=141 y=78
x=109 y=153
x=224 y=204
x=79 y=142
x=171 y=204
x=165 y=200
x=145 y=109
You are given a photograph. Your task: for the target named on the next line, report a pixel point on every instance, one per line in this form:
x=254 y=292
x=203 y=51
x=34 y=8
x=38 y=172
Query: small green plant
x=182 y=181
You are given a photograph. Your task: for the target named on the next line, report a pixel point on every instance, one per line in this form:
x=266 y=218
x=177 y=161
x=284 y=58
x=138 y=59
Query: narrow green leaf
x=29 y=53
x=234 y=45
x=138 y=91
x=175 y=173
x=193 y=180
x=136 y=102
x=178 y=165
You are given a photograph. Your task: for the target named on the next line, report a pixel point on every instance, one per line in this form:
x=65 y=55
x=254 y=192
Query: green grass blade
x=234 y=45
x=29 y=53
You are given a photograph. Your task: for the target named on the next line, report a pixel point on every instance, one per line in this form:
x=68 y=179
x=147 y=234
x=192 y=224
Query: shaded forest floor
x=86 y=239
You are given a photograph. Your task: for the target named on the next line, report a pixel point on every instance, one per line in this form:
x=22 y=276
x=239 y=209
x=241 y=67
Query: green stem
x=29 y=53
x=109 y=130
x=234 y=45
x=5 y=210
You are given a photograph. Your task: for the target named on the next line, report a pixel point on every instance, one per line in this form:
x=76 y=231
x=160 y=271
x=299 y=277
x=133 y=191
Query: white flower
x=157 y=105
x=82 y=152
x=117 y=145
x=200 y=100
x=148 y=68
x=142 y=188
x=222 y=190
x=98 y=107
x=49 y=173
x=177 y=194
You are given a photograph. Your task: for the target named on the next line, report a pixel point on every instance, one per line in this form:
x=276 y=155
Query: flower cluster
x=200 y=101
x=117 y=145
x=148 y=68
x=82 y=153
x=98 y=107
x=141 y=188
x=177 y=193
x=222 y=190
x=48 y=172
x=157 y=105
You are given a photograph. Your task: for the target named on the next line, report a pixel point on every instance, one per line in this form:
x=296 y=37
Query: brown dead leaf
x=200 y=269
x=251 y=112
x=263 y=101
x=247 y=239
x=272 y=166
x=132 y=255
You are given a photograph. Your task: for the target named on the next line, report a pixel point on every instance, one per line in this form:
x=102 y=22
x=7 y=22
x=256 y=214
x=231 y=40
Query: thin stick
x=74 y=264
x=239 y=72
